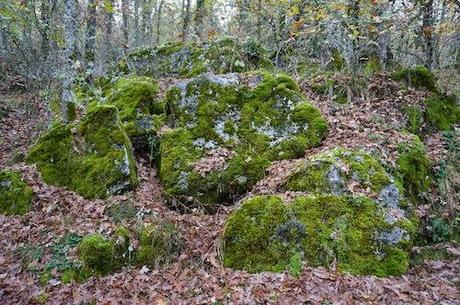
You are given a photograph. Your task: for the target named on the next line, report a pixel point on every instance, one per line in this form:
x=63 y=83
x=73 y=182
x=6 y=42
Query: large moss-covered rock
x=227 y=130
x=267 y=234
x=92 y=157
x=188 y=60
x=15 y=195
x=347 y=210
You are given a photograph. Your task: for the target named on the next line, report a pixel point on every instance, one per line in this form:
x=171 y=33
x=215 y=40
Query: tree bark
x=125 y=25
x=159 y=16
x=90 y=34
x=427 y=29
x=199 y=17
x=70 y=57
x=186 y=19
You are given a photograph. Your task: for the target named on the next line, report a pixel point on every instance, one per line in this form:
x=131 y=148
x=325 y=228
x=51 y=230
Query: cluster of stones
x=214 y=135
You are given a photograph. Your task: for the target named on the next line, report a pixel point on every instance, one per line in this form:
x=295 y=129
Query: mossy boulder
x=226 y=131
x=178 y=59
x=417 y=77
x=92 y=157
x=437 y=113
x=15 y=195
x=137 y=100
x=269 y=234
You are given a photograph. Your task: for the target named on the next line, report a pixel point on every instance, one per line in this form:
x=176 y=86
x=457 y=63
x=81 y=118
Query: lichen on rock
x=92 y=157
x=265 y=234
x=239 y=123
x=15 y=195
x=339 y=171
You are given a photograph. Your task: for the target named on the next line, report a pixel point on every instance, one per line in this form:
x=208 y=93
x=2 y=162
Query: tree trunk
x=199 y=16
x=186 y=19
x=427 y=29
x=125 y=25
x=136 y=41
x=70 y=57
x=147 y=21
x=90 y=35
x=108 y=16
x=159 y=15
x=45 y=18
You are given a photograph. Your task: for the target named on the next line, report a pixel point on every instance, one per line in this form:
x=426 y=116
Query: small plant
x=121 y=211
x=160 y=243
x=295 y=265
x=29 y=253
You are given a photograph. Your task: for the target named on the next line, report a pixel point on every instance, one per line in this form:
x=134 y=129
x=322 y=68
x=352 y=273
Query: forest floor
x=368 y=122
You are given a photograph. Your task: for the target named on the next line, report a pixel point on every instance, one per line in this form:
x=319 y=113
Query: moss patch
x=92 y=157
x=188 y=60
x=159 y=244
x=15 y=195
x=442 y=112
x=417 y=76
x=226 y=133
x=266 y=234
x=338 y=172
x=136 y=98
x=414 y=166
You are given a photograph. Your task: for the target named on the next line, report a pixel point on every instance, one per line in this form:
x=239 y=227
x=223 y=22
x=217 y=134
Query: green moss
x=442 y=112
x=414 y=167
x=265 y=234
x=159 y=244
x=97 y=254
x=92 y=157
x=134 y=96
x=15 y=195
x=337 y=62
x=414 y=119
x=250 y=238
x=417 y=76
x=340 y=171
x=42 y=298
x=251 y=126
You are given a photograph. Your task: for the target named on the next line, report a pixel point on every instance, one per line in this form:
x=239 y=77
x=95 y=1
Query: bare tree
x=90 y=34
